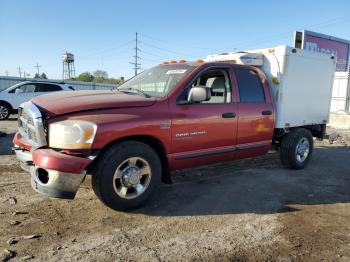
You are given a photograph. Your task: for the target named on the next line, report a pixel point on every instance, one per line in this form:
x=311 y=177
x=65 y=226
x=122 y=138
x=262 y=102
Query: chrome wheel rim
x=3 y=112
x=132 y=177
x=302 y=149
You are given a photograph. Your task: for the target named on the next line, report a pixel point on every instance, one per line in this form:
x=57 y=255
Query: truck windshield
x=157 y=81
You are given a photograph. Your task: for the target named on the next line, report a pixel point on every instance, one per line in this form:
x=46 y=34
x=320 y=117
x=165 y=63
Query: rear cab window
x=250 y=86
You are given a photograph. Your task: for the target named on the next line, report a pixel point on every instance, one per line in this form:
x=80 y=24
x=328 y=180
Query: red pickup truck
x=173 y=116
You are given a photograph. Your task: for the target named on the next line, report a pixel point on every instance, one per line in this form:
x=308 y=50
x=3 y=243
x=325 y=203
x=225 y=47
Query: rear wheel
x=126 y=175
x=4 y=111
x=296 y=148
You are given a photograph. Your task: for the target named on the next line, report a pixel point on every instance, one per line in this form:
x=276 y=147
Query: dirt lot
x=250 y=210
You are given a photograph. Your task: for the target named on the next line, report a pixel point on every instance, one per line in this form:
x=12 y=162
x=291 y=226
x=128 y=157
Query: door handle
x=266 y=112
x=229 y=115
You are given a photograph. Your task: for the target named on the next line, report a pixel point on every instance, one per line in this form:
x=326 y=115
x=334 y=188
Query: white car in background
x=12 y=97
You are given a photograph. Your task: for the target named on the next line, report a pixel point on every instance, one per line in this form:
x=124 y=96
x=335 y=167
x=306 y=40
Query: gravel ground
x=248 y=210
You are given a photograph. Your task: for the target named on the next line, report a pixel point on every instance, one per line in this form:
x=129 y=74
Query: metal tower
x=68 y=71
x=136 y=64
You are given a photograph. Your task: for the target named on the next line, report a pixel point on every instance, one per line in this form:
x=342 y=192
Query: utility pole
x=37 y=68
x=20 y=71
x=136 y=64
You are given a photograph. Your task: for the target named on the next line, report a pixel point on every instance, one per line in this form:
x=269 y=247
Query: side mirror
x=199 y=94
x=18 y=91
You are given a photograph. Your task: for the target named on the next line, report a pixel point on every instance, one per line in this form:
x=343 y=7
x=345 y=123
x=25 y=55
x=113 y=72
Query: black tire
x=5 y=111
x=103 y=182
x=288 y=151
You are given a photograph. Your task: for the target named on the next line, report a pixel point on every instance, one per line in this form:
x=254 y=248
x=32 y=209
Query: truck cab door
x=204 y=132
x=256 y=113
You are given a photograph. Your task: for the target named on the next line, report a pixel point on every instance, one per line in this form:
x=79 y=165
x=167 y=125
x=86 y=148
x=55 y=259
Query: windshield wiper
x=127 y=90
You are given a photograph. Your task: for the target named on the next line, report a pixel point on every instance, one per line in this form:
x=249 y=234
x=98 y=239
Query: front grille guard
x=30 y=125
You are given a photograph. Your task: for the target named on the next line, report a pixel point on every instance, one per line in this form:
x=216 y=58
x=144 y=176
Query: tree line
x=99 y=76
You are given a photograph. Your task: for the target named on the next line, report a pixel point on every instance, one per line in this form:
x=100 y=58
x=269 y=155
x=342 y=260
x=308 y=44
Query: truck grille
x=30 y=125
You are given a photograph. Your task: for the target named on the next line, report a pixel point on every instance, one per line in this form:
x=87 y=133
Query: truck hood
x=65 y=102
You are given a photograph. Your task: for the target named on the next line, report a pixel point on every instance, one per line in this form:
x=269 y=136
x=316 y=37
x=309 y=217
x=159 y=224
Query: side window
x=13 y=90
x=250 y=87
x=219 y=83
x=28 y=88
x=47 y=88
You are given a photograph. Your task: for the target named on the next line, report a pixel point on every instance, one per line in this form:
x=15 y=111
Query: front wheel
x=126 y=175
x=296 y=148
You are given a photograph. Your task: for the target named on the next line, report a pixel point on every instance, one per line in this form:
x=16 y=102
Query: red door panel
x=255 y=118
x=253 y=126
x=200 y=135
x=204 y=133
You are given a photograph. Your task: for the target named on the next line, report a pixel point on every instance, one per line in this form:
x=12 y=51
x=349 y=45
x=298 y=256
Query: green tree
x=114 y=81
x=36 y=76
x=85 y=77
x=100 y=76
x=43 y=76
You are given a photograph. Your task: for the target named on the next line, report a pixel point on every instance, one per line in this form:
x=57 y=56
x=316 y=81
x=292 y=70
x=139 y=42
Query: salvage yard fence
x=7 y=81
x=341 y=93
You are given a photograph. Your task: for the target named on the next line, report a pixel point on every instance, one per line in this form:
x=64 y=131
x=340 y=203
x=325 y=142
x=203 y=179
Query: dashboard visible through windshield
x=157 y=81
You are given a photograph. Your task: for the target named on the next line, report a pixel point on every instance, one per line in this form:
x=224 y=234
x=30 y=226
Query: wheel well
x=153 y=142
x=318 y=131
x=7 y=104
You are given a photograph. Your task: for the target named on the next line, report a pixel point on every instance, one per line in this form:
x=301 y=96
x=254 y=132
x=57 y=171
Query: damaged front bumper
x=54 y=183
x=53 y=174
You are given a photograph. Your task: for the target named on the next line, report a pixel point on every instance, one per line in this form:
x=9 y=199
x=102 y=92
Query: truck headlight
x=72 y=134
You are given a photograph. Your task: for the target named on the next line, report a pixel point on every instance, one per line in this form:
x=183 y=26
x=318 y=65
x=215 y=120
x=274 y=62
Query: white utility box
x=301 y=82
x=243 y=58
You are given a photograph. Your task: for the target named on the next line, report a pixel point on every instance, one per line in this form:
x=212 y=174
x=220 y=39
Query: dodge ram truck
x=173 y=116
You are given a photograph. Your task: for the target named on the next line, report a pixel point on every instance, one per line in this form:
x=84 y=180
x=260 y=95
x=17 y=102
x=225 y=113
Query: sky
x=101 y=34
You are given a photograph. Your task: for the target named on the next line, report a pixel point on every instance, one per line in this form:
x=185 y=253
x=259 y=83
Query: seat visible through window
x=218 y=90
x=219 y=83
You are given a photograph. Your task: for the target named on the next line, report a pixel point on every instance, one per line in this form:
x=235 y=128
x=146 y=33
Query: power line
x=37 y=68
x=110 y=57
x=152 y=54
x=151 y=60
x=153 y=44
x=105 y=50
x=20 y=71
x=243 y=44
x=166 y=50
x=196 y=49
x=178 y=44
x=136 y=64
